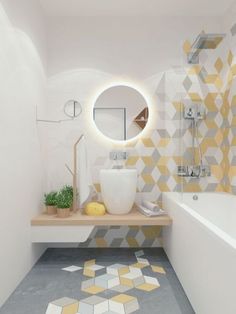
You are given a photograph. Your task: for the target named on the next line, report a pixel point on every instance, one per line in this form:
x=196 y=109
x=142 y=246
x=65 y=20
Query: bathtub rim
x=230 y=241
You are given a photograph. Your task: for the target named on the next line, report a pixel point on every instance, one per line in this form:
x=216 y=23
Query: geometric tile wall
x=213 y=83
x=125 y=236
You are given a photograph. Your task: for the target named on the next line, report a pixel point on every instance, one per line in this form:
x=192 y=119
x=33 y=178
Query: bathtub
x=201 y=246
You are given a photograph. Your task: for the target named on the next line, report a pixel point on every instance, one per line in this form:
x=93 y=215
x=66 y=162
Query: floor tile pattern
x=125 y=281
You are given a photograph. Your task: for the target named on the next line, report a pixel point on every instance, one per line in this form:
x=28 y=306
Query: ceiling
x=136 y=7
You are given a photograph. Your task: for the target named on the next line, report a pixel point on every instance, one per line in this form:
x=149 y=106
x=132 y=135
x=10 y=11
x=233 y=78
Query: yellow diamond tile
x=132 y=242
x=211 y=124
x=123 y=271
x=192 y=187
x=132 y=161
x=219 y=137
x=178 y=106
x=233 y=123
x=148 y=142
x=195 y=97
x=151 y=232
x=217 y=172
x=218 y=83
x=195 y=70
x=229 y=77
x=206 y=143
x=219 y=65
x=233 y=101
x=123 y=298
x=101 y=242
x=126 y=282
x=139 y=265
x=210 y=79
x=94 y=289
x=148 y=179
x=230 y=57
x=233 y=142
x=163 y=170
x=210 y=101
x=220 y=188
x=147 y=287
x=233 y=70
x=163 y=160
x=158 y=269
x=163 y=187
x=148 y=160
x=88 y=272
x=71 y=309
x=187 y=47
x=164 y=142
x=90 y=262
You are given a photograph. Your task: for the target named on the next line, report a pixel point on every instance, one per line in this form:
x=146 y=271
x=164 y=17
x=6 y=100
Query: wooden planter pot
x=63 y=212
x=51 y=210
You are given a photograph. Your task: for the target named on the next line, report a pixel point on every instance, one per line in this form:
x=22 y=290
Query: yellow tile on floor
x=90 y=262
x=147 y=287
x=126 y=282
x=88 y=272
x=122 y=298
x=72 y=309
x=158 y=269
x=139 y=265
x=94 y=289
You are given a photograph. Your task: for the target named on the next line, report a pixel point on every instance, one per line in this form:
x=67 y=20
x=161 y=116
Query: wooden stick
x=68 y=168
x=75 y=175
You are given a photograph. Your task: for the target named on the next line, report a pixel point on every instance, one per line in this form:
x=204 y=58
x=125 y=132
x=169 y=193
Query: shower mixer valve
x=194 y=171
x=194 y=112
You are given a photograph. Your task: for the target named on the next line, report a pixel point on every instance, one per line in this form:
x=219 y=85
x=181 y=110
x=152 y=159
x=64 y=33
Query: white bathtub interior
x=217 y=208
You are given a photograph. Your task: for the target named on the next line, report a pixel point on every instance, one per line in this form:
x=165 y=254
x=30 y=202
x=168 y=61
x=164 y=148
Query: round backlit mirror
x=121 y=113
x=72 y=109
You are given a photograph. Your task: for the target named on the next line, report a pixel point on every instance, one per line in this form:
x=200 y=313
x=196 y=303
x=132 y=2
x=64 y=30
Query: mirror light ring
x=143 y=92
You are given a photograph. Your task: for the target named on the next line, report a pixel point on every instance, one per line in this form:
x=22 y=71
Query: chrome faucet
x=118 y=155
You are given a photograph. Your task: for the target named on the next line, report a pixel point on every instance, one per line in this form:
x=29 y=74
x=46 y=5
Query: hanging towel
x=84 y=175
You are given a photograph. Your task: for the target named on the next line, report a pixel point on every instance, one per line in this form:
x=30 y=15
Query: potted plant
x=50 y=201
x=69 y=189
x=64 y=202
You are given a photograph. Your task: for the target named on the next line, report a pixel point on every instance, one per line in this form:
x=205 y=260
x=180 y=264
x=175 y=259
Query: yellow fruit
x=95 y=209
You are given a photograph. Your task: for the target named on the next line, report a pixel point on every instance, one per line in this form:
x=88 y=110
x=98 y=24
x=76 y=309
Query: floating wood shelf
x=134 y=218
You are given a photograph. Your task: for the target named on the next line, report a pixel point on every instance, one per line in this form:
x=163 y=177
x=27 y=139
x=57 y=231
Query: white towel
x=150 y=213
x=151 y=206
x=84 y=175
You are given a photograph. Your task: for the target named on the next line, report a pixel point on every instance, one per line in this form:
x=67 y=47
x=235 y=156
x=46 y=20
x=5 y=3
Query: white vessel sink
x=118 y=187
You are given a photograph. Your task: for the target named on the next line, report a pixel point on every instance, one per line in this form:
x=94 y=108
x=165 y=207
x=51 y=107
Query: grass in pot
x=68 y=189
x=64 y=202
x=50 y=201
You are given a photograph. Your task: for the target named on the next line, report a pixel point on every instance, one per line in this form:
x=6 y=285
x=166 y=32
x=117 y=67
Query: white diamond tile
x=72 y=268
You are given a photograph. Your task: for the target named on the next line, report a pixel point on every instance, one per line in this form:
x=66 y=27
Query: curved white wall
x=22 y=80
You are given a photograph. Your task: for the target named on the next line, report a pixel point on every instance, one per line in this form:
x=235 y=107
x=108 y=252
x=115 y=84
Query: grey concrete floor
x=46 y=282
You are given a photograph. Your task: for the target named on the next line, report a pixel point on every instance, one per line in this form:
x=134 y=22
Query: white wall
x=87 y=53
x=130 y=46
x=22 y=80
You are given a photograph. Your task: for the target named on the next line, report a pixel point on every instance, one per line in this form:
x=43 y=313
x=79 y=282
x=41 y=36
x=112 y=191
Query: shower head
x=207 y=41
x=203 y=41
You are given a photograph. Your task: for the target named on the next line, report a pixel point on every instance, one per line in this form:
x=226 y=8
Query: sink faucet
x=118 y=155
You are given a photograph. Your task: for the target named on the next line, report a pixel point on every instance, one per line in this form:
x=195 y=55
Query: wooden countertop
x=134 y=218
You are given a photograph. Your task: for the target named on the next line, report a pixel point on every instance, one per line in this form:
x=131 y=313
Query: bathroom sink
x=118 y=187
